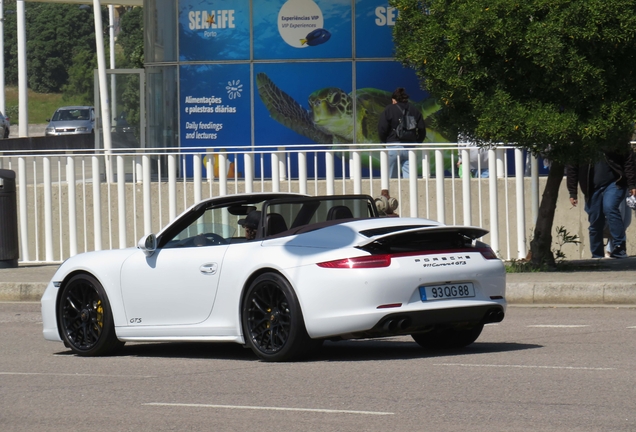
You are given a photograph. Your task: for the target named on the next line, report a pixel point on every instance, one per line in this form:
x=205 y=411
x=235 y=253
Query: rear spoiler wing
x=471 y=232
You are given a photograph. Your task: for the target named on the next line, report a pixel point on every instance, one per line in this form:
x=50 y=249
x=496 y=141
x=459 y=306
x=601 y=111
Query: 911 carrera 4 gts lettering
x=443 y=264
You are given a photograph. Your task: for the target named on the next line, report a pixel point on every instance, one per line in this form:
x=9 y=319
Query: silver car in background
x=72 y=120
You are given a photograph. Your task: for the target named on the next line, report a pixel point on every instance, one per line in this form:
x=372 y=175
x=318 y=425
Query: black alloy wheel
x=273 y=324
x=84 y=317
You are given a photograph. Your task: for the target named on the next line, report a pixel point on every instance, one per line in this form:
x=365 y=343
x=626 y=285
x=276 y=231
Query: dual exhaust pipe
x=401 y=324
x=397 y=324
x=493 y=316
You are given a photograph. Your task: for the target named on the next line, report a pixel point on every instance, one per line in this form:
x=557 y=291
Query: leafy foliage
x=61 y=52
x=55 y=34
x=563 y=238
x=556 y=77
x=131 y=38
x=545 y=75
x=81 y=82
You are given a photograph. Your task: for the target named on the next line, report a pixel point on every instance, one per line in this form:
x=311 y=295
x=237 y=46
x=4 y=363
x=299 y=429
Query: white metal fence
x=75 y=201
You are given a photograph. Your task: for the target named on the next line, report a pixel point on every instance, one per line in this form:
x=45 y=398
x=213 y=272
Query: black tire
x=6 y=133
x=450 y=338
x=273 y=324
x=85 y=319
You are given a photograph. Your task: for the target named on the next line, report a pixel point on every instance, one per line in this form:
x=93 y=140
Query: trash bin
x=9 y=249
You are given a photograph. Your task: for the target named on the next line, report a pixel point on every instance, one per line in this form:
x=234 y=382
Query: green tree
x=81 y=81
x=131 y=37
x=55 y=34
x=131 y=41
x=556 y=77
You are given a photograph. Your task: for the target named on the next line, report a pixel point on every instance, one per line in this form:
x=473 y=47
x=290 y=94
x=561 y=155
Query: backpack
x=406 y=130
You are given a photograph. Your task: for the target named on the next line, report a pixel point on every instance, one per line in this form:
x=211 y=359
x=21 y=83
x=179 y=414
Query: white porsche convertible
x=280 y=273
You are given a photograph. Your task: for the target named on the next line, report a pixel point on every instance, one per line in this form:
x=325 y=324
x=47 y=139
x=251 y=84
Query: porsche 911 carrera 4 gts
x=280 y=273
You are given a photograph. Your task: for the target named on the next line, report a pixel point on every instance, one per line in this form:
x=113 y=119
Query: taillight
x=370 y=261
x=487 y=253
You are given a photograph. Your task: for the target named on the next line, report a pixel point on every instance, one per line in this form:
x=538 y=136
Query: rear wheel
x=6 y=132
x=85 y=319
x=448 y=338
x=273 y=324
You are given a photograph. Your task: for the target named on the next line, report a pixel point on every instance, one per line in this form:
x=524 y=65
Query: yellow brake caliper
x=100 y=313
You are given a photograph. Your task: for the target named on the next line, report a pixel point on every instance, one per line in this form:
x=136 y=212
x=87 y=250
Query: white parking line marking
x=558 y=326
x=523 y=366
x=76 y=375
x=270 y=408
x=634 y=327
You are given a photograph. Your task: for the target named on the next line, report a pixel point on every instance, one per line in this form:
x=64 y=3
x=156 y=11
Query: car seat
x=339 y=212
x=275 y=224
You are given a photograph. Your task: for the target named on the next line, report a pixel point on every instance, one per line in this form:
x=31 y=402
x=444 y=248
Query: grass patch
x=523 y=266
x=41 y=105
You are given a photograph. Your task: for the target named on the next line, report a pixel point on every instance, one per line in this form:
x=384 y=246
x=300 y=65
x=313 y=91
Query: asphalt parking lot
x=541 y=369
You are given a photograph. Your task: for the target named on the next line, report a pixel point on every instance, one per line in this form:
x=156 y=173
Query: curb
x=582 y=293
x=26 y=292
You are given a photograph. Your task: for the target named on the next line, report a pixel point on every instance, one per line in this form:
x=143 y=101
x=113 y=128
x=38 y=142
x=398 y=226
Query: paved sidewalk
x=595 y=282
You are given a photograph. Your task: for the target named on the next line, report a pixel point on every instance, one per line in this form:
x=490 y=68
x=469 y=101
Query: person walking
x=387 y=125
x=605 y=185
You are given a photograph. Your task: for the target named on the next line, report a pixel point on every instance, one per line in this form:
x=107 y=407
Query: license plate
x=447 y=291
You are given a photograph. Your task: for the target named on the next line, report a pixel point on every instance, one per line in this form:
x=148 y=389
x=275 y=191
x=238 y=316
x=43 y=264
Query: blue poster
x=216 y=110
x=302 y=29
x=374 y=29
x=214 y=30
x=215 y=105
x=302 y=103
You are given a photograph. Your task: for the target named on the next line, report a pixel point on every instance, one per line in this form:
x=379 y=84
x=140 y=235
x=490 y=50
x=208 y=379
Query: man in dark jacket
x=389 y=120
x=605 y=185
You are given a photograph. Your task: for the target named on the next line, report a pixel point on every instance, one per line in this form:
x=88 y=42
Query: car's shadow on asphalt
x=350 y=350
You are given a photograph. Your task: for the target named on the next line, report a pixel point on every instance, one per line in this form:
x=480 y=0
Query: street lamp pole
x=2 y=101
x=103 y=86
x=23 y=103
x=113 y=83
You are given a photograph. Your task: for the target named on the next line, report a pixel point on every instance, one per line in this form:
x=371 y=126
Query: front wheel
x=448 y=338
x=85 y=319
x=273 y=324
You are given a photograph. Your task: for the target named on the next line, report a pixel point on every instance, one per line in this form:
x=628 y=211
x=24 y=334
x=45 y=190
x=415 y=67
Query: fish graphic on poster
x=316 y=37
x=301 y=24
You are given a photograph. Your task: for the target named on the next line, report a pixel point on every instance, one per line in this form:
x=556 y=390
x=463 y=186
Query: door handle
x=209 y=268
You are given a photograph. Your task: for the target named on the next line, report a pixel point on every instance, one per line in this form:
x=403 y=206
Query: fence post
x=439 y=186
x=121 y=200
x=72 y=205
x=466 y=198
x=413 y=192
x=356 y=172
x=97 y=203
x=24 y=221
x=492 y=190
x=521 y=211
x=145 y=161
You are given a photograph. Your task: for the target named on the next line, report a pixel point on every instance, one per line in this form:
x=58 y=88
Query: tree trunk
x=541 y=244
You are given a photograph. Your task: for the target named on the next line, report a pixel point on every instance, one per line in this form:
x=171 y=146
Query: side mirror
x=148 y=244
